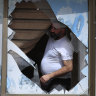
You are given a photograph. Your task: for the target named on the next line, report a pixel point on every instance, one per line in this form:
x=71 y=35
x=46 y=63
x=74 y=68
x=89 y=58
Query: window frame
x=91 y=42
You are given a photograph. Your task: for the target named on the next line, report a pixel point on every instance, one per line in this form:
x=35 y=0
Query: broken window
x=28 y=26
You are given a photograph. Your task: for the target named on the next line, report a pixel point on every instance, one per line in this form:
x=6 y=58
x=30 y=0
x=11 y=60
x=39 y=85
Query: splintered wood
x=30 y=21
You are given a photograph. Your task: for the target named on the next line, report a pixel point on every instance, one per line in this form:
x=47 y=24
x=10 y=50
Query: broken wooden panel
x=26 y=50
x=28 y=34
x=32 y=14
x=30 y=20
x=25 y=45
x=29 y=24
x=41 y=4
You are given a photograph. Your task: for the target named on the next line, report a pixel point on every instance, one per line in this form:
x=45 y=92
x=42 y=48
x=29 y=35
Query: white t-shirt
x=56 y=51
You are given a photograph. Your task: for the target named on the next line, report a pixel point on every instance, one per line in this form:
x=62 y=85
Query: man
x=57 y=61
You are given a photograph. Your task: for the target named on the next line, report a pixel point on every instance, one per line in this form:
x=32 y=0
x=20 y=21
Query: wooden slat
x=33 y=14
x=28 y=34
x=42 y=4
x=26 y=44
x=29 y=24
x=26 y=50
x=24 y=4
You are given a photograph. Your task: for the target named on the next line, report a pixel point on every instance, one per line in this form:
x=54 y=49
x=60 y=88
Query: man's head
x=57 y=30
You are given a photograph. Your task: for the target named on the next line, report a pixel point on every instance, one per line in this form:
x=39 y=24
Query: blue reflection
x=8 y=83
x=77 y=6
x=78 y=25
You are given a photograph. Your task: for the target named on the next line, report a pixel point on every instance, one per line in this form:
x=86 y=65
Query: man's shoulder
x=63 y=42
x=64 y=45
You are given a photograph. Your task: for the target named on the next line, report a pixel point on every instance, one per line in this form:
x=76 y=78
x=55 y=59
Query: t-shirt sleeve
x=66 y=53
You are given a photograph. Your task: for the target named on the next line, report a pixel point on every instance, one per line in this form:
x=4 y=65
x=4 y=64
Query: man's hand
x=45 y=78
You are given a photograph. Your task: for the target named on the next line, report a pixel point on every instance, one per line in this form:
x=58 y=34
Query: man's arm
x=68 y=66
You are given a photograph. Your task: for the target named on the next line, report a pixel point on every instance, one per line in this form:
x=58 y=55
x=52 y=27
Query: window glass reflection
x=28 y=22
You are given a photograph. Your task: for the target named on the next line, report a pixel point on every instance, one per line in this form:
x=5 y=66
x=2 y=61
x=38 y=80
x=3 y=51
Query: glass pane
x=36 y=31
x=95 y=48
x=1 y=22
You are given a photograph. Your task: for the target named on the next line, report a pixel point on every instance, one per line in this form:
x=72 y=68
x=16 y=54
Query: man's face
x=56 y=32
